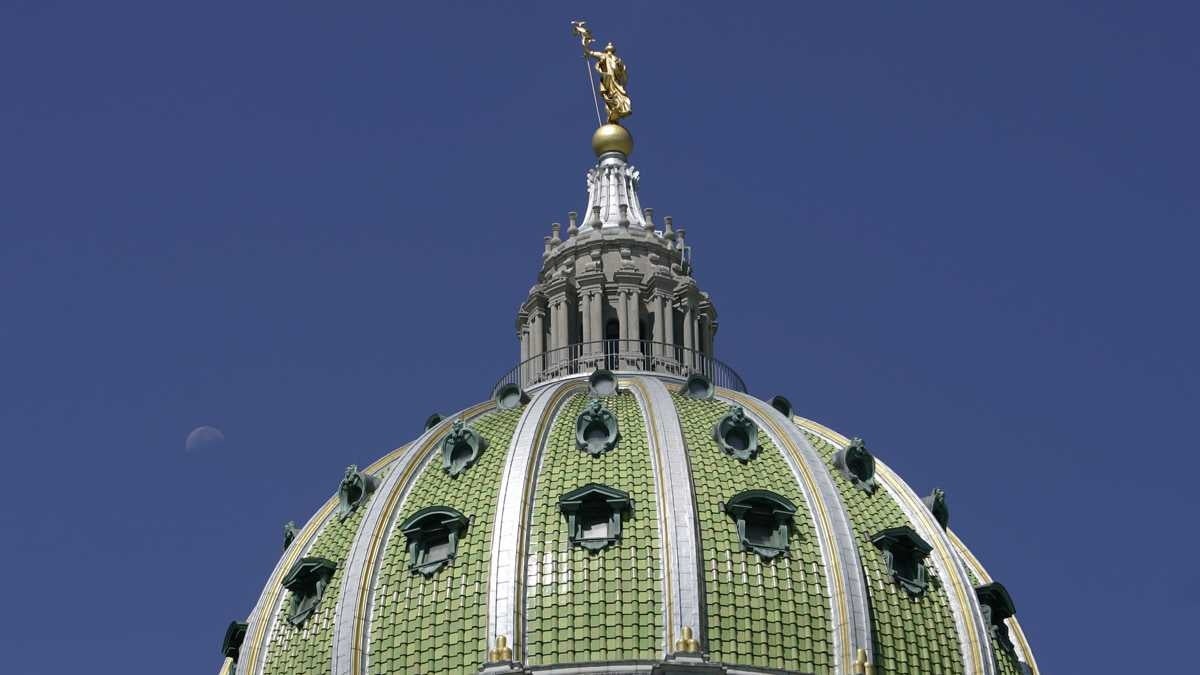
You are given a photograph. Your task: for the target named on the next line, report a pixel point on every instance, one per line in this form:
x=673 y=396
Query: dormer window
x=857 y=465
x=594 y=513
x=737 y=434
x=904 y=553
x=433 y=534
x=235 y=634
x=307 y=581
x=936 y=503
x=461 y=448
x=354 y=489
x=596 y=429
x=764 y=521
x=997 y=605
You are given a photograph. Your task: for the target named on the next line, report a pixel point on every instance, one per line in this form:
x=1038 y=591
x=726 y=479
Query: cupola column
x=659 y=337
x=689 y=332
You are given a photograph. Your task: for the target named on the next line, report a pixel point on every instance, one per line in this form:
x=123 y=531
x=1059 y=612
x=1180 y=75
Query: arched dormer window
x=461 y=447
x=997 y=605
x=433 y=534
x=596 y=429
x=904 y=554
x=764 y=521
x=737 y=434
x=307 y=581
x=235 y=634
x=594 y=514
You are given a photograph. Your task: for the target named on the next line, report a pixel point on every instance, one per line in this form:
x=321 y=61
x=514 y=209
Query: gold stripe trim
x=824 y=524
x=901 y=491
x=977 y=567
x=540 y=434
x=394 y=502
x=302 y=542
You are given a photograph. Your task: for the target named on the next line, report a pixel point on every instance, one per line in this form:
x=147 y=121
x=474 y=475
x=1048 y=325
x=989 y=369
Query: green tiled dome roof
x=666 y=563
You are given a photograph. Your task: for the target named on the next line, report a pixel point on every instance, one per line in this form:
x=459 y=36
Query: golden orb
x=612 y=138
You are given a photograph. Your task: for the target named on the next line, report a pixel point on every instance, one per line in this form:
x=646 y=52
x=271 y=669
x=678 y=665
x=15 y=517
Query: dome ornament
x=354 y=489
x=699 y=387
x=510 y=396
x=461 y=447
x=857 y=465
x=502 y=653
x=602 y=383
x=783 y=405
x=936 y=503
x=289 y=533
x=596 y=429
x=737 y=434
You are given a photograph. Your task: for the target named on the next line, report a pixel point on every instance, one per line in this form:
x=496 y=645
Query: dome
x=621 y=504
x=702 y=528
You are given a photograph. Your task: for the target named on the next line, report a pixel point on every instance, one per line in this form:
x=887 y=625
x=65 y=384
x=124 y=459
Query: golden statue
x=613 y=75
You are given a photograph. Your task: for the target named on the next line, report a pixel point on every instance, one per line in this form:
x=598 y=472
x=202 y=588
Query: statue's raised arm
x=613 y=74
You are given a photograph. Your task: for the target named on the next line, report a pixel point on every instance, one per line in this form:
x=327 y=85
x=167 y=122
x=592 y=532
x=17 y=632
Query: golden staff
x=579 y=28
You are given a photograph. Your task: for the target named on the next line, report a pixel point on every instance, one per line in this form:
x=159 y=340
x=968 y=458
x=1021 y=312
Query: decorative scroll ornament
x=596 y=429
x=354 y=489
x=936 y=503
x=857 y=465
x=737 y=434
x=461 y=448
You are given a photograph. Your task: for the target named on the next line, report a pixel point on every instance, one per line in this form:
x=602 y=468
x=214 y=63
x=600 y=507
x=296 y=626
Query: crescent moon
x=203 y=438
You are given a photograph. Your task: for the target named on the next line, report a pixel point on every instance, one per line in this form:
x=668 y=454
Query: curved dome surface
x=656 y=529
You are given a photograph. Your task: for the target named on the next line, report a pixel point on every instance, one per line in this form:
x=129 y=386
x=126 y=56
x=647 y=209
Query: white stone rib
x=505 y=603
x=349 y=654
x=968 y=618
x=263 y=616
x=839 y=552
x=682 y=575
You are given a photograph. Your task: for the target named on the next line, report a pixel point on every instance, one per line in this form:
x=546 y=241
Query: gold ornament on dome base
x=687 y=644
x=502 y=652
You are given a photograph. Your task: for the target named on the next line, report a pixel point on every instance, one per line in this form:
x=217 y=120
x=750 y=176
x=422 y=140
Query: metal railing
x=584 y=357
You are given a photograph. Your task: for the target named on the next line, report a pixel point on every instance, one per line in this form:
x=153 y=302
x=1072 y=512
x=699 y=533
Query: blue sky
x=964 y=233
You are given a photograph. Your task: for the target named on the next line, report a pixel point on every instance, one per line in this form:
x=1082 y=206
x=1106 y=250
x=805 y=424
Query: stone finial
x=668 y=228
x=555 y=229
x=572 y=228
x=548 y=244
x=502 y=652
x=679 y=237
x=649 y=214
x=686 y=643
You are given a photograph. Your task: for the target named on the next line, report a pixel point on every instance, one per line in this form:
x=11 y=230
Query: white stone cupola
x=615 y=292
